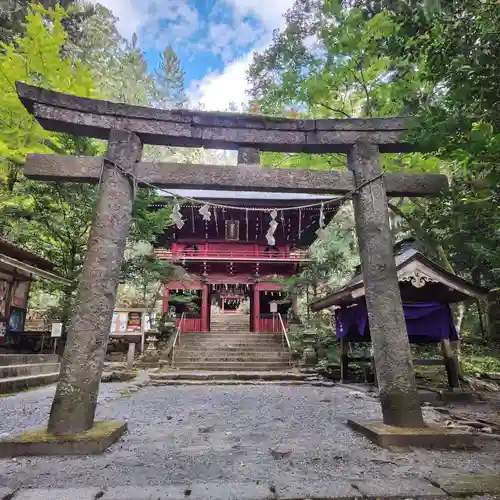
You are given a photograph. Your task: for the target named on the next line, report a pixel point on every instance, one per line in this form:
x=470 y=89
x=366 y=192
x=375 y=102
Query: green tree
x=435 y=60
x=52 y=219
x=170 y=80
x=13 y=15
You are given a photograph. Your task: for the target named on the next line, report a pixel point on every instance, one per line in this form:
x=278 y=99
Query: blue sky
x=215 y=39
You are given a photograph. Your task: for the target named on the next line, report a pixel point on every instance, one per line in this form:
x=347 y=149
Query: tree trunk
x=423 y=235
x=74 y=404
x=459 y=316
x=391 y=348
x=494 y=314
x=66 y=308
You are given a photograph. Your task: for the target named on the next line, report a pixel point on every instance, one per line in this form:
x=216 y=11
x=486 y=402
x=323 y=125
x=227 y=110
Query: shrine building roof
x=248 y=196
x=420 y=280
x=16 y=261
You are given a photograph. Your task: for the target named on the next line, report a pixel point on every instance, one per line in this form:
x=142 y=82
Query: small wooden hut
x=18 y=268
x=427 y=290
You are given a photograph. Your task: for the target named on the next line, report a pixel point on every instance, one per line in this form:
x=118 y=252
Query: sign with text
x=56 y=330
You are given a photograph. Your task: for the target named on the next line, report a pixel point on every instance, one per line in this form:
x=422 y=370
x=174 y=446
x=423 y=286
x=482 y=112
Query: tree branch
x=423 y=235
x=334 y=110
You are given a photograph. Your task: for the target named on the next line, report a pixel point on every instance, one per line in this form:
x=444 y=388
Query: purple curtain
x=423 y=319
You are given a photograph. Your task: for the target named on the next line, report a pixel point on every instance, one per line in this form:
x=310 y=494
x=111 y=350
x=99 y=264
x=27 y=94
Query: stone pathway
x=266 y=437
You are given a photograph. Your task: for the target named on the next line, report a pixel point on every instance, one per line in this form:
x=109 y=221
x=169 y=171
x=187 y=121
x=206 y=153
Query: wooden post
x=130 y=356
x=256 y=309
x=204 y=308
x=344 y=360
x=75 y=401
x=395 y=374
x=450 y=363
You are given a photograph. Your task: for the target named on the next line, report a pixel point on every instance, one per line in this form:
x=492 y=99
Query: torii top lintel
x=95 y=118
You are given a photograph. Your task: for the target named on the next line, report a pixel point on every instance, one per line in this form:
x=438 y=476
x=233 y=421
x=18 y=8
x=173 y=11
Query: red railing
x=222 y=254
x=270 y=325
x=188 y=325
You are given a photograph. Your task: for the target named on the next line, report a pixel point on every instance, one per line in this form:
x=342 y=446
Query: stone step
x=233 y=338
x=198 y=346
x=227 y=349
x=232 y=352
x=11 y=371
x=16 y=384
x=201 y=358
x=158 y=383
x=227 y=375
x=234 y=321
x=223 y=326
x=268 y=337
x=244 y=335
x=26 y=359
x=228 y=365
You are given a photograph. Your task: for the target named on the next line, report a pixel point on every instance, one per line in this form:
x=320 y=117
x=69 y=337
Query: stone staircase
x=230 y=346
x=21 y=371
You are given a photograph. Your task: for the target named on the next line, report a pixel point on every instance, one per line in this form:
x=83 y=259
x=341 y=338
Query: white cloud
x=144 y=15
x=218 y=90
x=225 y=40
x=269 y=12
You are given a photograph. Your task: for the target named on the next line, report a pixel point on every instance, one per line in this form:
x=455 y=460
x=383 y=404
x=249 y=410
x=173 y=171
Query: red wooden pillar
x=256 y=310
x=166 y=294
x=204 y=308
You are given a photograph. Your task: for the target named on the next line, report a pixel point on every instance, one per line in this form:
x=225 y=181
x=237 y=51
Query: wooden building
x=427 y=290
x=18 y=269
x=230 y=256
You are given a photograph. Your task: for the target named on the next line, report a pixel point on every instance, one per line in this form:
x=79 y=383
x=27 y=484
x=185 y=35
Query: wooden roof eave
x=416 y=263
x=30 y=270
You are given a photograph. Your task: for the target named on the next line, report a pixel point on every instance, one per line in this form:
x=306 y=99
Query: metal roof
x=204 y=194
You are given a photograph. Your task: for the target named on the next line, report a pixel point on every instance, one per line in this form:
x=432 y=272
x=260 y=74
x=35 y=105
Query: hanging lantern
x=246 y=221
x=321 y=231
x=176 y=216
x=205 y=212
x=271 y=240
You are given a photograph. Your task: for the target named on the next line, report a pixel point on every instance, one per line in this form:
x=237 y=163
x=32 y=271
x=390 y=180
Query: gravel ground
x=179 y=435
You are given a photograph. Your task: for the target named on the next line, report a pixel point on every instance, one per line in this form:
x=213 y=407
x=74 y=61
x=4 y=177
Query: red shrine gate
x=231 y=256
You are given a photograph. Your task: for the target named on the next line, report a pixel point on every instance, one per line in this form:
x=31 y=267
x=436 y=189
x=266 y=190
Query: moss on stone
x=428 y=430
x=100 y=430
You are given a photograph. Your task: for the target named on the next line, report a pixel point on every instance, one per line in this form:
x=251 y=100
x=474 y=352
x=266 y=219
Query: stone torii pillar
x=74 y=404
x=395 y=374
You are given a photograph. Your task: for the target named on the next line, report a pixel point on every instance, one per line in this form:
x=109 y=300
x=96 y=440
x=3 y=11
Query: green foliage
x=54 y=220
x=438 y=61
x=147 y=273
x=170 y=80
x=35 y=58
x=13 y=14
x=332 y=259
x=480 y=359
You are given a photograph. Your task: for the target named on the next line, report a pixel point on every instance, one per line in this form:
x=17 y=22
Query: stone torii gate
x=127 y=128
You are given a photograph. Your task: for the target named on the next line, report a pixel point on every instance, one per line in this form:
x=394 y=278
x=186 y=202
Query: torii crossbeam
x=127 y=128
